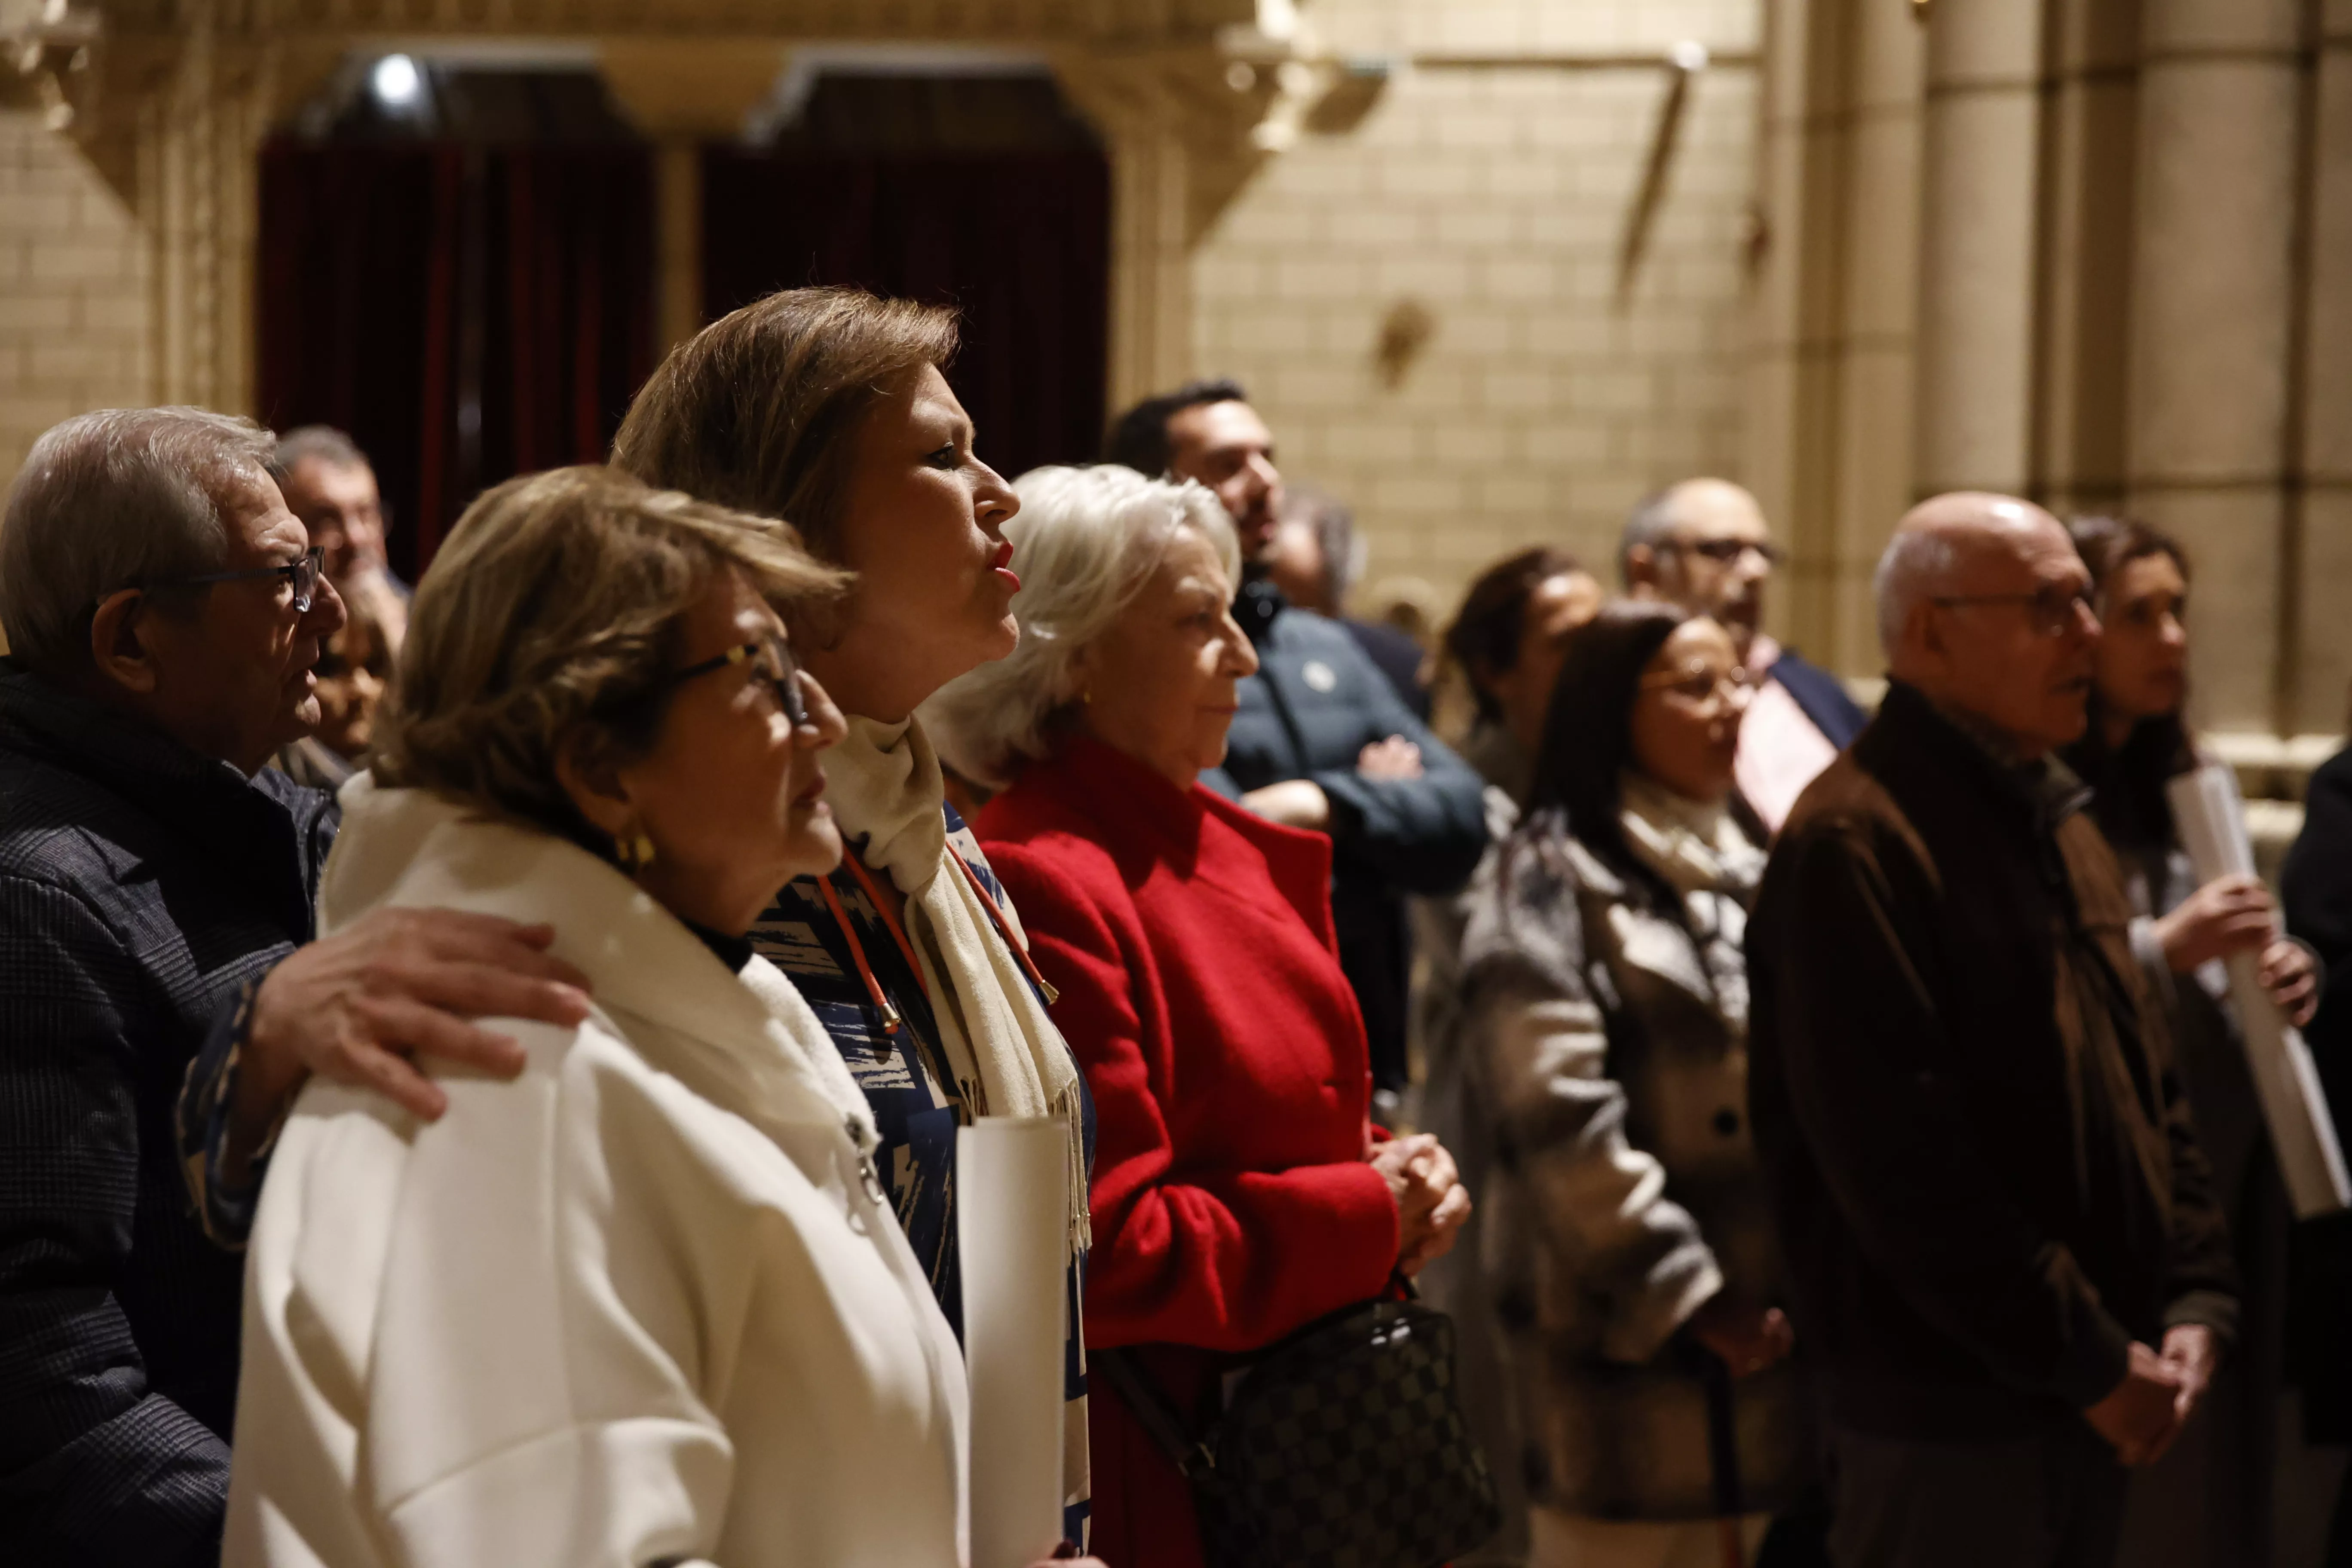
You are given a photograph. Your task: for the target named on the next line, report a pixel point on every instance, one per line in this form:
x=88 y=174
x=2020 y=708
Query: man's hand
x=2191 y=1351
x=1392 y=759
x=2142 y=1415
x=2291 y=975
x=1746 y=1338
x=1294 y=802
x=358 y=1005
x=2227 y=915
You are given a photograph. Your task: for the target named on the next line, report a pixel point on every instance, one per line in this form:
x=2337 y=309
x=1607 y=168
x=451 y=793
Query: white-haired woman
x=1239 y=1192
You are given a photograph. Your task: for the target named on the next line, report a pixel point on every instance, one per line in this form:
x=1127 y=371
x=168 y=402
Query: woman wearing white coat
x=645 y=1304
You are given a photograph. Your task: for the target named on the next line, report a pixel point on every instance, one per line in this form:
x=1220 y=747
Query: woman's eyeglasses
x=301 y=575
x=772 y=667
x=1701 y=682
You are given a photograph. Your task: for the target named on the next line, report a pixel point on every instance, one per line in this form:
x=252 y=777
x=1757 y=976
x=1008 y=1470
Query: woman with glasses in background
x=1604 y=1027
x=2208 y=1502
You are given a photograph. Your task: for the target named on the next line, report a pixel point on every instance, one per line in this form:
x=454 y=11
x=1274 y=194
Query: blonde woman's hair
x=1084 y=543
x=548 y=620
x=762 y=409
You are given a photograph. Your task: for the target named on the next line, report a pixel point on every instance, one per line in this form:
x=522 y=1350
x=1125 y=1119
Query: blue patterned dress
x=916 y=1103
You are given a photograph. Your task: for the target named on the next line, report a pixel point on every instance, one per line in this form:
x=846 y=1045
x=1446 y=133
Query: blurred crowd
x=481 y=1061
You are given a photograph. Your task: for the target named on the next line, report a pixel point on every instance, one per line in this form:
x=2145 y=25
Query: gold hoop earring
x=634 y=850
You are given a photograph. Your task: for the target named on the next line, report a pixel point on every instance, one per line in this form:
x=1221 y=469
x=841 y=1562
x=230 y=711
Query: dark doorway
x=984 y=192
x=464 y=282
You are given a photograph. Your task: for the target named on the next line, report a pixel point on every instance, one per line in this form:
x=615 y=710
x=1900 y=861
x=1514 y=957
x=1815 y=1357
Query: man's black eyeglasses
x=1727 y=552
x=301 y=575
x=2051 y=612
x=773 y=665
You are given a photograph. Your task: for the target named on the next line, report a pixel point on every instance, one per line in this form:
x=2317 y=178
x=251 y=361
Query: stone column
x=2212 y=290
x=1830 y=412
x=683 y=93
x=2324 y=691
x=2093 y=136
x=1980 y=178
x=1143 y=125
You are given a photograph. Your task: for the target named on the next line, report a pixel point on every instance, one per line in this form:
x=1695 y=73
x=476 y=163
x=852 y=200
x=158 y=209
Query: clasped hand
x=2159 y=1394
x=1432 y=1202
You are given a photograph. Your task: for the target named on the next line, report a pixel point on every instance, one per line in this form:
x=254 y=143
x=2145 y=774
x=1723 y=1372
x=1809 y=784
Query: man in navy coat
x=1322 y=740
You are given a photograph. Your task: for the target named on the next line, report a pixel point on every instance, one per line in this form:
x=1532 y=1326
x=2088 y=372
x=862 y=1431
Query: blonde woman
x=647 y=1303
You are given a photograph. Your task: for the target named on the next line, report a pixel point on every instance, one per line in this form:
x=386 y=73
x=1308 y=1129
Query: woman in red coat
x=1240 y=1191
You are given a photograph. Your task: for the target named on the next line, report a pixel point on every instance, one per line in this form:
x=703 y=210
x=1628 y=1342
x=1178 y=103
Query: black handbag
x=1343 y=1446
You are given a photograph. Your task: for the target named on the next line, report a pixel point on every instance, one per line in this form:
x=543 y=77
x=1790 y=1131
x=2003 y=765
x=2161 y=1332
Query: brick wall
x=74 y=305
x=1542 y=407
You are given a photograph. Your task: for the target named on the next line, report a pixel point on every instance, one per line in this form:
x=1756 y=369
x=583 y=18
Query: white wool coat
x=643 y=1306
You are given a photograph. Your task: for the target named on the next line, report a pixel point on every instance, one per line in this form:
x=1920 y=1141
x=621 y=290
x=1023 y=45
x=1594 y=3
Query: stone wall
x=74 y=307
x=1497 y=198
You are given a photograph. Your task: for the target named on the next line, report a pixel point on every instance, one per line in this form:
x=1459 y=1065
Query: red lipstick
x=1000 y=563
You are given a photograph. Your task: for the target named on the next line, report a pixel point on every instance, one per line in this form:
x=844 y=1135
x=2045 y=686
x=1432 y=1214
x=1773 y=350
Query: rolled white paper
x=2211 y=818
x=1011 y=1200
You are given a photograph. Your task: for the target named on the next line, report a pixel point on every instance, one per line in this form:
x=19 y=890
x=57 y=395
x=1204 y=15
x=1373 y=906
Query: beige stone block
x=1271 y=225
x=1985 y=41
x=2324 y=667
x=1378 y=228
x=1977 y=293
x=1471 y=442
x=26 y=311
x=1514 y=278
x=1882 y=241
x=1490 y=227
x=1890 y=58
x=1316 y=387
x=2234 y=538
x=2171 y=26
x=2212 y=268
x=1564 y=444
x=1422 y=493
x=1382 y=437
x=1509 y=388
x=2328 y=380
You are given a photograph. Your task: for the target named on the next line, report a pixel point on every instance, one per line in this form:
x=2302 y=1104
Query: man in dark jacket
x=2009 y=1272
x=162 y=610
x=1322 y=740
x=1703 y=544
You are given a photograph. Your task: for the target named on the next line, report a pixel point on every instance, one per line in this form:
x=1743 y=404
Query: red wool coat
x=1192 y=944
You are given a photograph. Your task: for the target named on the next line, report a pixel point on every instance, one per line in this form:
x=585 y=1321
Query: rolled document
x=1011 y=1200
x=2212 y=821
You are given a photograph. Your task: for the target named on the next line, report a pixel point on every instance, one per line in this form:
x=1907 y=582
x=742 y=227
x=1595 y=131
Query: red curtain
x=1019 y=240
x=466 y=312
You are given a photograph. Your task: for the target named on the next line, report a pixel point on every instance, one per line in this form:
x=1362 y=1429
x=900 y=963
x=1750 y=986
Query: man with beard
x=1322 y=740
x=1703 y=544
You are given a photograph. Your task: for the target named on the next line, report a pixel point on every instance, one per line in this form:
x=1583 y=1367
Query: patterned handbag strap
x=1188 y=1455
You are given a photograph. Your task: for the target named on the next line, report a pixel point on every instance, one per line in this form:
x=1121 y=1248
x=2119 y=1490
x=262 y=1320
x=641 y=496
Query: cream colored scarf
x=1010 y=1057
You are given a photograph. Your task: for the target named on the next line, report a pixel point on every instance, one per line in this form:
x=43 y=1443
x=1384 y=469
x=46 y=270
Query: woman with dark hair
x=1604 y=1030
x=1505 y=645
x=2207 y=1502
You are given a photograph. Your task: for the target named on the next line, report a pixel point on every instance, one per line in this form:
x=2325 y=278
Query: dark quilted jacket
x=141 y=887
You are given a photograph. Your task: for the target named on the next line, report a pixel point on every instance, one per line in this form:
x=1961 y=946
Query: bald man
x=2009 y=1269
x=1703 y=544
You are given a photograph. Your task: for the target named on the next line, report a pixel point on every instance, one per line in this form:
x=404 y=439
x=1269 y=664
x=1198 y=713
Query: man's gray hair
x=112 y=500
x=1916 y=565
x=1344 y=553
x=318 y=443
x=1084 y=543
x=1654 y=520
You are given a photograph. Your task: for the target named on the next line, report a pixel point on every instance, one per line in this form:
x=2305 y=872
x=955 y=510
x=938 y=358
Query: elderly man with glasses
x=2010 y=1270
x=162 y=610
x=1703 y=544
